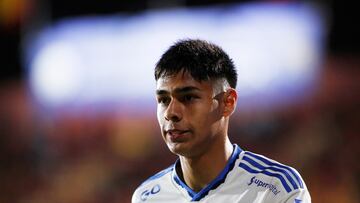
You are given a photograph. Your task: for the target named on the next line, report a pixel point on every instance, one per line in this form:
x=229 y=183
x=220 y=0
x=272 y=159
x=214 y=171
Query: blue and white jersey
x=247 y=177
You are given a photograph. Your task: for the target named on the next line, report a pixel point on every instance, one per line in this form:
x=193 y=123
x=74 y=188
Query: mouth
x=176 y=135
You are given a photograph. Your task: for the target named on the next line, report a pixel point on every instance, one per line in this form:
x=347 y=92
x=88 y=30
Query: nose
x=173 y=111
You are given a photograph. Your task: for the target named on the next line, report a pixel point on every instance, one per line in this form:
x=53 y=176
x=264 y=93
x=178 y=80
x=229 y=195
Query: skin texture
x=194 y=117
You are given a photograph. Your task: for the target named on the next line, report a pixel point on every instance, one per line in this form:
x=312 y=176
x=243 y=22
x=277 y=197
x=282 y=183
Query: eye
x=189 y=98
x=163 y=100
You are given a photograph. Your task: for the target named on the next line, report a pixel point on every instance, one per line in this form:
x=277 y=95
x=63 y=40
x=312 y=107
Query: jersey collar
x=213 y=184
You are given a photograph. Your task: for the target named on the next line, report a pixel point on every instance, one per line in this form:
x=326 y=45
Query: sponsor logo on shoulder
x=154 y=190
x=260 y=183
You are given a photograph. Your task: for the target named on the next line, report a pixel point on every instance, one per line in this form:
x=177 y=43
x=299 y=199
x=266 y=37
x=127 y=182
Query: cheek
x=201 y=118
x=160 y=117
x=207 y=117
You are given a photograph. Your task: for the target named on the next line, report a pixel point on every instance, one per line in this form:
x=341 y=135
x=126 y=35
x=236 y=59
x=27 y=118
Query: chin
x=183 y=149
x=179 y=149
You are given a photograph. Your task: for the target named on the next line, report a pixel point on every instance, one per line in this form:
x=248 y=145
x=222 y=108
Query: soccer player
x=195 y=90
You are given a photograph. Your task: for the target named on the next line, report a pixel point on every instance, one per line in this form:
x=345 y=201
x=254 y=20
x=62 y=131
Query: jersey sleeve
x=135 y=197
x=299 y=196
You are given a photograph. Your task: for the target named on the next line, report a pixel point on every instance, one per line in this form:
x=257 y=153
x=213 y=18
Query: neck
x=214 y=161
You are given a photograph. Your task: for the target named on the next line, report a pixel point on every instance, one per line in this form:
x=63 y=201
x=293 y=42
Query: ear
x=230 y=100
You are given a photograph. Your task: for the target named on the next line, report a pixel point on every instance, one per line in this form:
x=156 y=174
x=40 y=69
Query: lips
x=176 y=135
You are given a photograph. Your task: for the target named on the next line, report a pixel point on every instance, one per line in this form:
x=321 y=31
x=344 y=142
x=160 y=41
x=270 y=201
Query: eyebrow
x=179 y=90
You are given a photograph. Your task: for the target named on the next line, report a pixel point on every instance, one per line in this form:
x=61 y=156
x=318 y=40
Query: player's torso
x=232 y=193
x=246 y=178
x=238 y=187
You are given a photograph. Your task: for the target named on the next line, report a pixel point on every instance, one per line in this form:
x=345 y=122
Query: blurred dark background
x=342 y=37
x=81 y=159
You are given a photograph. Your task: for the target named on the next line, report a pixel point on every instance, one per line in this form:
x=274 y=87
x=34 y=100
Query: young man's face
x=190 y=114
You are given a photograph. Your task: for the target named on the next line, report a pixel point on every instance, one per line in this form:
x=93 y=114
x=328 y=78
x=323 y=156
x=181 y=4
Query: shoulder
x=151 y=185
x=267 y=174
x=158 y=175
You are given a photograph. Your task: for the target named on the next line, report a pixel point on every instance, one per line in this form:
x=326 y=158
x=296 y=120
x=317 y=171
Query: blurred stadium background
x=77 y=111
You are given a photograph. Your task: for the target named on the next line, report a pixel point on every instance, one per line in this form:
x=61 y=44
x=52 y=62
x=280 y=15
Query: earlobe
x=230 y=100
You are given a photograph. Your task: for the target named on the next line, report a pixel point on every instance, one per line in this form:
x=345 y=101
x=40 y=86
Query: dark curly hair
x=203 y=60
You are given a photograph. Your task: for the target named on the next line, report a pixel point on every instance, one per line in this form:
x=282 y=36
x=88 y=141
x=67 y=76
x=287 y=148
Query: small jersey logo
x=298 y=201
x=144 y=195
x=260 y=183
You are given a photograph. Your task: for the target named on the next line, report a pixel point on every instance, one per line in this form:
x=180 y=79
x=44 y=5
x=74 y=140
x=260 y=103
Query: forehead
x=181 y=80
